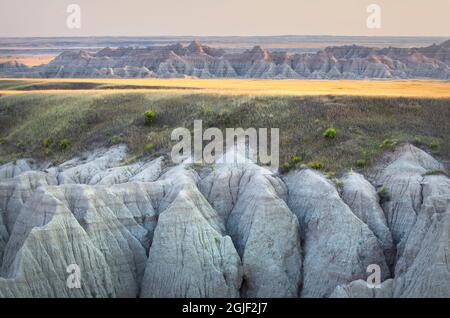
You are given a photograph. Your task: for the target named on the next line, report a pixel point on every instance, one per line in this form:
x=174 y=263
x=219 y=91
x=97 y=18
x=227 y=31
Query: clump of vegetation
x=330 y=174
x=116 y=139
x=315 y=165
x=338 y=182
x=46 y=142
x=149 y=115
x=435 y=146
x=330 y=133
x=21 y=146
x=296 y=159
x=2 y=141
x=64 y=144
x=417 y=140
x=361 y=162
x=149 y=148
x=383 y=195
x=388 y=143
x=285 y=167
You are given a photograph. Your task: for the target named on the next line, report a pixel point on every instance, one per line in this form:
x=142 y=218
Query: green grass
x=95 y=119
x=330 y=133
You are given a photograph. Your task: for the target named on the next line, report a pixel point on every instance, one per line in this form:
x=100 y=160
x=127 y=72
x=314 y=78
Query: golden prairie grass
x=400 y=88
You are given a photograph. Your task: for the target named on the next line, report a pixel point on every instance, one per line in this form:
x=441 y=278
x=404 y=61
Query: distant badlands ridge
x=202 y=61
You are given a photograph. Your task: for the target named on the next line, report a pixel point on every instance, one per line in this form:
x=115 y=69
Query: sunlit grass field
x=36 y=115
x=416 y=88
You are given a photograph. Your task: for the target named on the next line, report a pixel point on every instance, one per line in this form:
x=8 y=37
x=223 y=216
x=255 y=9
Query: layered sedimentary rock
x=423 y=269
x=13 y=67
x=417 y=208
x=191 y=256
x=363 y=200
x=15 y=192
x=197 y=60
x=49 y=236
x=400 y=179
x=235 y=230
x=12 y=169
x=265 y=232
x=338 y=246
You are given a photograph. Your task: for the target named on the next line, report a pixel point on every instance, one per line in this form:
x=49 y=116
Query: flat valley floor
x=397 y=88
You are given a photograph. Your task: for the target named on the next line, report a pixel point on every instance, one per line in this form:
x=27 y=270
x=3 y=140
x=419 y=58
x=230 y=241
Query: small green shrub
x=383 y=194
x=330 y=133
x=360 y=162
x=330 y=174
x=285 y=167
x=315 y=165
x=116 y=139
x=296 y=159
x=417 y=140
x=149 y=115
x=435 y=146
x=64 y=144
x=46 y=142
x=2 y=141
x=338 y=182
x=149 y=148
x=21 y=146
x=388 y=143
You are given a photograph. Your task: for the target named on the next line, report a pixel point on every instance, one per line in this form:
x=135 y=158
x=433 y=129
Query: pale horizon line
x=223 y=36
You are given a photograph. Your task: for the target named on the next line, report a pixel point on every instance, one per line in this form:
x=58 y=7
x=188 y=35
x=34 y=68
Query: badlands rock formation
x=197 y=60
x=230 y=230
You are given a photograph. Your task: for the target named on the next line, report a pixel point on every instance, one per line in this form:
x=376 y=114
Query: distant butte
x=202 y=61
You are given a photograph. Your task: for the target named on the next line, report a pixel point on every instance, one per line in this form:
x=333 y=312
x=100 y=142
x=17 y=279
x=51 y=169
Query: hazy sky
x=224 y=17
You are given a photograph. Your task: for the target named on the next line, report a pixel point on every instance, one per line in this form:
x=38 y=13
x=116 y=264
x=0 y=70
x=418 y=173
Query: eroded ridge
x=236 y=230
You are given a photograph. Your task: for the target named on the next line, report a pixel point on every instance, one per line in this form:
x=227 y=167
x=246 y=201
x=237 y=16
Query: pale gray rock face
x=114 y=175
x=265 y=232
x=423 y=270
x=110 y=228
x=17 y=183
x=360 y=289
x=80 y=172
x=237 y=230
x=135 y=172
x=4 y=236
x=363 y=200
x=190 y=257
x=402 y=180
x=13 y=169
x=113 y=228
x=40 y=266
x=149 y=172
x=338 y=247
x=15 y=192
x=107 y=232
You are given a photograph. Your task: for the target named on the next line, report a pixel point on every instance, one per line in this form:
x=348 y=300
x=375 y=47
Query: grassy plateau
x=331 y=125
